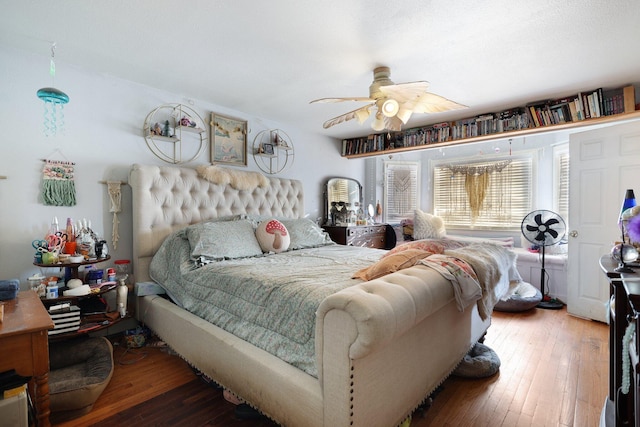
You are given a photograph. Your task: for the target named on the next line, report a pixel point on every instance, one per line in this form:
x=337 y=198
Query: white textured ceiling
x=270 y=58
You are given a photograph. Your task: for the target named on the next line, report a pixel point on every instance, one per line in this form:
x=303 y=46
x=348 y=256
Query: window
x=401 y=190
x=561 y=181
x=495 y=193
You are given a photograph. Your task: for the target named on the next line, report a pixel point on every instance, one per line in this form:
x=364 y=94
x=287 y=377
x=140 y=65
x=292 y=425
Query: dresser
x=622 y=409
x=370 y=236
x=25 y=347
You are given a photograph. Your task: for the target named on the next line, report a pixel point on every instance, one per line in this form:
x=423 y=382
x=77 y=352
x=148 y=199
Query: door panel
x=603 y=164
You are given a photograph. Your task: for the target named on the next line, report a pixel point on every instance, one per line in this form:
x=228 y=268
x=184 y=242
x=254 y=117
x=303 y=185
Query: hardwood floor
x=554 y=372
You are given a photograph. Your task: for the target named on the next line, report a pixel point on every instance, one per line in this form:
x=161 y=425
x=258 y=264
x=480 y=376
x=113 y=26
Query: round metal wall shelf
x=273 y=151
x=175 y=133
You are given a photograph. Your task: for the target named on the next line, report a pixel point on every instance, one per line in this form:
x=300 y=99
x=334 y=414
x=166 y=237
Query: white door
x=603 y=164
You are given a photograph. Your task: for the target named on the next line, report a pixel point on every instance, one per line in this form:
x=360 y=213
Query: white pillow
x=273 y=236
x=427 y=226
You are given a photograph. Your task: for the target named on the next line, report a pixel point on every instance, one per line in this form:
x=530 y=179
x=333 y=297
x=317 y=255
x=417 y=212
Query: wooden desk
x=24 y=346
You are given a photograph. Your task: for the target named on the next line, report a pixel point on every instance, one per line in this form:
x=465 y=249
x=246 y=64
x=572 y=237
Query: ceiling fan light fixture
x=362 y=115
x=390 y=107
x=378 y=123
x=404 y=114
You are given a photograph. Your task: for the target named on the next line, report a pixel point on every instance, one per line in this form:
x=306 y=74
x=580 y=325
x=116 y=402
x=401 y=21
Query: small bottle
x=70 y=230
x=121 y=297
x=53 y=228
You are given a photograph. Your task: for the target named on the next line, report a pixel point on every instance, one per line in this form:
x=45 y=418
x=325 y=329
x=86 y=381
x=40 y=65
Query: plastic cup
x=70 y=248
x=49 y=258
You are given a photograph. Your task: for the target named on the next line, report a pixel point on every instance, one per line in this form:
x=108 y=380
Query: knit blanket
x=492 y=266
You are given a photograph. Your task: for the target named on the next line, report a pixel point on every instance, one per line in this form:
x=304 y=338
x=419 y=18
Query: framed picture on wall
x=228 y=140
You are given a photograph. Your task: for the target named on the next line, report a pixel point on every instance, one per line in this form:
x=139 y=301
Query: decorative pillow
x=223 y=240
x=306 y=234
x=273 y=236
x=393 y=263
x=433 y=246
x=427 y=226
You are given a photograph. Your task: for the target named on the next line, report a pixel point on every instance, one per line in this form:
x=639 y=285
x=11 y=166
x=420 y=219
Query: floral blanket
x=478 y=272
x=464 y=280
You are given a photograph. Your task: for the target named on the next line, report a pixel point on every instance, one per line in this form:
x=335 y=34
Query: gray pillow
x=305 y=234
x=223 y=240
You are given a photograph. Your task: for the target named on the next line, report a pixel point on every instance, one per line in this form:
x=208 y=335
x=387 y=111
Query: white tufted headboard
x=167 y=198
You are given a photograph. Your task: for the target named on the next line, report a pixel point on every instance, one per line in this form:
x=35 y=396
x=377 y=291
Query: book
x=72 y=311
x=14 y=391
x=64 y=330
x=629 y=95
x=66 y=323
x=59 y=307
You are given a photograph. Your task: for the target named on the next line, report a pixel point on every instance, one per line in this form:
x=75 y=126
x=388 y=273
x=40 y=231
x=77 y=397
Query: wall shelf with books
x=584 y=109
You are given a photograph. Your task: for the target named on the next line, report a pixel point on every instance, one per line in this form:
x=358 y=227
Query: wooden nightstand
x=25 y=347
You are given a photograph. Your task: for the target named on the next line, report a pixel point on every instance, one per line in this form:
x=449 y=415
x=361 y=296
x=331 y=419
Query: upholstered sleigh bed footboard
x=382 y=347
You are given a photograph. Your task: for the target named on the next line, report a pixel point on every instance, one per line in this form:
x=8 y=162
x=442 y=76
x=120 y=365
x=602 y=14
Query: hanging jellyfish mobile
x=54 y=101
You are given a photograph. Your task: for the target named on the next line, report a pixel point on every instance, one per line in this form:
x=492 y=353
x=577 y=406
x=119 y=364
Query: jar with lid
x=37 y=284
x=123 y=270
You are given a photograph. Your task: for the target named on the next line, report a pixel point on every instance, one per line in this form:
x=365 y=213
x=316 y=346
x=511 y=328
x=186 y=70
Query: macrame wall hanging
x=402 y=186
x=58 y=185
x=115 y=196
x=476 y=181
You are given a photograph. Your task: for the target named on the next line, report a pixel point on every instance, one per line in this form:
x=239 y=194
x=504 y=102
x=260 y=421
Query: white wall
x=104 y=121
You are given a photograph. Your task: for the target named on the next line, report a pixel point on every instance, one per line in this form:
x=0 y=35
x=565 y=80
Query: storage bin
x=9 y=289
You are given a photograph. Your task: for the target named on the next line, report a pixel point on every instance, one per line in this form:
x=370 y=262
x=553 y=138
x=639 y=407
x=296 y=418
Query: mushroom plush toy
x=273 y=236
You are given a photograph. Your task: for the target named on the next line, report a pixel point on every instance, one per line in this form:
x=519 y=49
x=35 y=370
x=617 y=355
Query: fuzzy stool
x=525 y=297
x=480 y=362
x=80 y=371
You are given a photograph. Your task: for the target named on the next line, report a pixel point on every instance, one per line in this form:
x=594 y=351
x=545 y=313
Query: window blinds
x=507 y=197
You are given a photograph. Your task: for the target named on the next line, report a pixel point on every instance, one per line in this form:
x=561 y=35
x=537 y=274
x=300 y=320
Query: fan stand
x=550 y=304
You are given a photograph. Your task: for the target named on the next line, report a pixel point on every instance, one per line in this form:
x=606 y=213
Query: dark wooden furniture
x=371 y=236
x=622 y=409
x=94 y=322
x=25 y=347
x=73 y=266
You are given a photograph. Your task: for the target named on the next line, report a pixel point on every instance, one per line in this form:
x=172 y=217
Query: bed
x=379 y=347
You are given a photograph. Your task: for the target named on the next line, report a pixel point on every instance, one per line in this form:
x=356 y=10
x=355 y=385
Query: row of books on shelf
x=582 y=106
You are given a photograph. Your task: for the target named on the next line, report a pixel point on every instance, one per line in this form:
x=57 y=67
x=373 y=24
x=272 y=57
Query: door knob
x=573 y=233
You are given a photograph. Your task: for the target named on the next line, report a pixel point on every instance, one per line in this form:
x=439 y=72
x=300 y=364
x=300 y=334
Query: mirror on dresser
x=343 y=202
x=347 y=222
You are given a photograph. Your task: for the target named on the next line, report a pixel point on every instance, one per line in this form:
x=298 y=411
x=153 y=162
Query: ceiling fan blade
x=403 y=92
x=355 y=98
x=432 y=103
x=361 y=114
x=392 y=123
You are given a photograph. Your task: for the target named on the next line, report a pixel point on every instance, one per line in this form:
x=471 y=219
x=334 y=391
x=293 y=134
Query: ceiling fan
x=392 y=104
